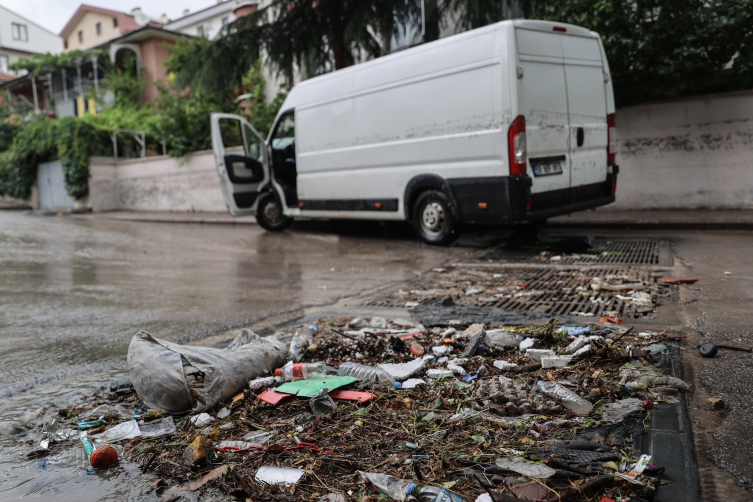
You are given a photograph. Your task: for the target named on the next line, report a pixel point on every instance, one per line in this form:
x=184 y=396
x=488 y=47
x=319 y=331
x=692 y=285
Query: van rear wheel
x=433 y=220
x=269 y=213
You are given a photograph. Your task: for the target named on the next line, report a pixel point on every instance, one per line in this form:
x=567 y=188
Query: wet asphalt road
x=74 y=292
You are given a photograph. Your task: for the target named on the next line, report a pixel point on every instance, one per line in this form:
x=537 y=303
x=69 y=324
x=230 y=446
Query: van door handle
x=579 y=135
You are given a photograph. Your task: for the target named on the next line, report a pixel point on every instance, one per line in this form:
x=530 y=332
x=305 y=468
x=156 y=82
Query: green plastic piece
x=311 y=387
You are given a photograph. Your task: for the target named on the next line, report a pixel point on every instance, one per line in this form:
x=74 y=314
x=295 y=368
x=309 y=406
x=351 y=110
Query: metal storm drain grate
x=555 y=291
x=612 y=251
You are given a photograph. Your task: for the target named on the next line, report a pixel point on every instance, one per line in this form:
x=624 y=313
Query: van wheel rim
x=272 y=212
x=433 y=218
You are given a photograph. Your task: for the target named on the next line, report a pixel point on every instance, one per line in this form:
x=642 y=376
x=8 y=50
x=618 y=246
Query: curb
x=656 y=224
x=203 y=221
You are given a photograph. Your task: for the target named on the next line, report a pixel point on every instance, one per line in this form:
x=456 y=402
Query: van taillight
x=516 y=142
x=611 y=140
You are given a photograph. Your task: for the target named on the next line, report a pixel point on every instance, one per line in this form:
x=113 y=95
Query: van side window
x=283 y=150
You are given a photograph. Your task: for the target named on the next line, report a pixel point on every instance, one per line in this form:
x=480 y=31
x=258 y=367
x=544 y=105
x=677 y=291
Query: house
x=207 y=22
x=92 y=26
x=20 y=39
x=64 y=89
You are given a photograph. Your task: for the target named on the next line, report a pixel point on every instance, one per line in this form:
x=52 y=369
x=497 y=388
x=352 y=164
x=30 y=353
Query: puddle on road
x=63 y=477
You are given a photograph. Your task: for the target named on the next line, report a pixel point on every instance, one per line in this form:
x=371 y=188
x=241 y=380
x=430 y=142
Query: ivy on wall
x=70 y=140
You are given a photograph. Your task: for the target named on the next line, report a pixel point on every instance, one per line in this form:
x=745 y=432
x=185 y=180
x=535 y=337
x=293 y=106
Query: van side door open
x=242 y=163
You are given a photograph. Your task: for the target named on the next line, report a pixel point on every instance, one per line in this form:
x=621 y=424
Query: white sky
x=53 y=14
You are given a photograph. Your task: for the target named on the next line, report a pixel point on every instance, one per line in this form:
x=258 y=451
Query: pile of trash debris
x=349 y=409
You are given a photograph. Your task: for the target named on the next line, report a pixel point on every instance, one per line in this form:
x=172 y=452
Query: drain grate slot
x=606 y=251
x=556 y=291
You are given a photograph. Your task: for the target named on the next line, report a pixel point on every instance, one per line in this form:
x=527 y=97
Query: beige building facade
x=92 y=26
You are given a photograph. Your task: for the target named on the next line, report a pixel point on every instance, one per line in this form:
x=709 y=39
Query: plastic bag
x=177 y=378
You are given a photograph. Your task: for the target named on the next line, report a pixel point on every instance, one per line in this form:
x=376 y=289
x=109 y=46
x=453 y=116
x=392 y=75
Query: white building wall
x=210 y=20
x=39 y=40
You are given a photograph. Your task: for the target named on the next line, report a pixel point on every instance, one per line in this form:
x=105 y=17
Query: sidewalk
x=636 y=220
x=691 y=219
x=223 y=218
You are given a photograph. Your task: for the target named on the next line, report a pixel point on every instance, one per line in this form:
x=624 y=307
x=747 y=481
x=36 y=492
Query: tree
x=660 y=49
x=313 y=35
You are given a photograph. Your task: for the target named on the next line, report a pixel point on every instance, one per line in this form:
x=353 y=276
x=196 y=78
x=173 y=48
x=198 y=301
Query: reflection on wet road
x=73 y=293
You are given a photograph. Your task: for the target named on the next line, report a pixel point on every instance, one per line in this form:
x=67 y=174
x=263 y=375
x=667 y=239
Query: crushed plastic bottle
x=566 y=397
x=300 y=342
x=435 y=494
x=378 y=322
x=301 y=371
x=367 y=374
x=322 y=404
x=396 y=488
x=402 y=489
x=501 y=339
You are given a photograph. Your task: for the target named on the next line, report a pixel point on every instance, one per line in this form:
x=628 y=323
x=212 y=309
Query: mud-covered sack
x=178 y=378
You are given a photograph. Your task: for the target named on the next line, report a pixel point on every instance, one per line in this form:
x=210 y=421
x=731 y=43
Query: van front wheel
x=433 y=220
x=269 y=213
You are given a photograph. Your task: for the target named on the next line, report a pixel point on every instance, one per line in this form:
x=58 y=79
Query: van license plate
x=547 y=166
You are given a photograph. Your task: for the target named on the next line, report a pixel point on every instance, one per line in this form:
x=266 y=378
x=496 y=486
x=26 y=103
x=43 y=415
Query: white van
x=510 y=123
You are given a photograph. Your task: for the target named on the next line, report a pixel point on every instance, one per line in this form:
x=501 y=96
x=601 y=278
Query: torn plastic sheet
x=177 y=378
x=522 y=466
x=615 y=412
x=162 y=428
x=126 y=430
x=201 y=419
x=273 y=475
x=258 y=437
x=56 y=433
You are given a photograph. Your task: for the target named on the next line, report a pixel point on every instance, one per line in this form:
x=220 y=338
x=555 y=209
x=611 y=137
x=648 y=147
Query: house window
x=99 y=28
x=19 y=32
x=225 y=20
x=200 y=30
x=3 y=63
x=115 y=22
x=65 y=43
x=80 y=36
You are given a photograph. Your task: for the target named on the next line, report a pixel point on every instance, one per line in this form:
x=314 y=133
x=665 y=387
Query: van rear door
x=587 y=110
x=543 y=103
x=241 y=157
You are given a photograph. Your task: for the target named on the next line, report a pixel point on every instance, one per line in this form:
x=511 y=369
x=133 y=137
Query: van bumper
x=508 y=200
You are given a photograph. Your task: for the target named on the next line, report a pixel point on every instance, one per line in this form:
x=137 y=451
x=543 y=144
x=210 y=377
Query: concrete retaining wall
x=688 y=153
x=162 y=183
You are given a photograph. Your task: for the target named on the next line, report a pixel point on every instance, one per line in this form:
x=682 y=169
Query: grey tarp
x=157 y=369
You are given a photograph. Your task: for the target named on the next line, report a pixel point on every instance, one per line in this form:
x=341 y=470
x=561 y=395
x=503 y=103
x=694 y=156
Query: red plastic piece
x=352 y=395
x=610 y=319
x=521 y=284
x=272 y=397
x=408 y=336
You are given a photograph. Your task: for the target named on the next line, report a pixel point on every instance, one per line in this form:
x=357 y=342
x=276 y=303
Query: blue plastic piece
x=398 y=385
x=43 y=463
x=576 y=330
x=468 y=378
x=314 y=328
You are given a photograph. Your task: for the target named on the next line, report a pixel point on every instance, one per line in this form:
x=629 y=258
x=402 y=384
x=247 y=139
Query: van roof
x=299 y=90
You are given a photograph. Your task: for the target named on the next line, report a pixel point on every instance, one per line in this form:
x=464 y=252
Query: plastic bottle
x=435 y=494
x=301 y=371
x=568 y=398
x=366 y=374
x=398 y=489
x=300 y=342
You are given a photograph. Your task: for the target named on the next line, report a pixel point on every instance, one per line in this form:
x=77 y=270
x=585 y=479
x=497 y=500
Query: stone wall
x=162 y=183
x=687 y=153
